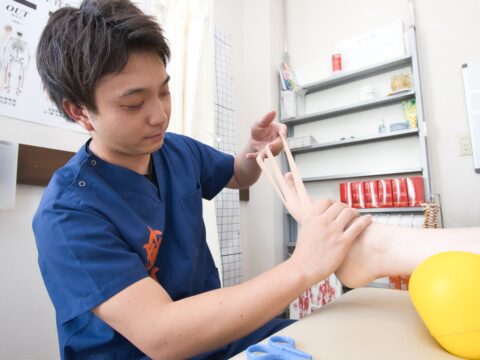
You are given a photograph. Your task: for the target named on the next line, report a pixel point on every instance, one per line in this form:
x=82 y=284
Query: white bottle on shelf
x=381 y=127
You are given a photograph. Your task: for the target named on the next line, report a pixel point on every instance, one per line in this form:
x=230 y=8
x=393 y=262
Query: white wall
x=27 y=329
x=255 y=26
x=448 y=37
x=262 y=47
x=25 y=132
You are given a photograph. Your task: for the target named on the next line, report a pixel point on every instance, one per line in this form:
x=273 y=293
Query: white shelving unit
x=371 y=144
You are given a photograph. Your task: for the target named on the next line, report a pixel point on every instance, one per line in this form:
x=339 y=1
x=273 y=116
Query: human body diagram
x=15 y=61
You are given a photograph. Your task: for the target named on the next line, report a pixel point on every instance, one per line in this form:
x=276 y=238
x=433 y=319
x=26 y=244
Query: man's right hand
x=325 y=238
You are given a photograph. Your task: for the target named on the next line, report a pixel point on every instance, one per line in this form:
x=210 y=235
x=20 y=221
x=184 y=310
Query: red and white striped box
x=416 y=194
x=358 y=194
x=371 y=193
x=394 y=282
x=385 y=199
x=404 y=281
x=346 y=193
x=399 y=192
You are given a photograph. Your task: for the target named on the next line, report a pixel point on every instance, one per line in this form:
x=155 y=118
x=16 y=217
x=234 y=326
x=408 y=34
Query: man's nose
x=159 y=112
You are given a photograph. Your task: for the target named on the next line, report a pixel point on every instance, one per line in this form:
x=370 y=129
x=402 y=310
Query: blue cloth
x=100 y=228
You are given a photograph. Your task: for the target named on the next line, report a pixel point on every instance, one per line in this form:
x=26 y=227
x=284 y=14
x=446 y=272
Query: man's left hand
x=266 y=133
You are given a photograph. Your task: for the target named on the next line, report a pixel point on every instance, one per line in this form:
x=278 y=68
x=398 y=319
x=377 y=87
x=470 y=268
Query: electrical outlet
x=465 y=145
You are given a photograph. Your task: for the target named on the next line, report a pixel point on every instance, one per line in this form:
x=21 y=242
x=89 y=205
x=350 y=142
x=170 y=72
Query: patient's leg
x=383 y=250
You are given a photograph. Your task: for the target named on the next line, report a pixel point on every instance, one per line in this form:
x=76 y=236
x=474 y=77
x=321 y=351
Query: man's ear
x=78 y=114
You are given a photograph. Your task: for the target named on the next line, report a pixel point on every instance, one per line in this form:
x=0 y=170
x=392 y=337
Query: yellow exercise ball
x=445 y=290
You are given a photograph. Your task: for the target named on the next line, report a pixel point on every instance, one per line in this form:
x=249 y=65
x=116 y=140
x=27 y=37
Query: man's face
x=133 y=109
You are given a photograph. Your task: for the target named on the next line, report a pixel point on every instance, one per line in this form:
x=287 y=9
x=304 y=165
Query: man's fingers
x=321 y=206
x=267 y=119
x=356 y=228
x=276 y=146
x=334 y=210
x=346 y=216
x=262 y=153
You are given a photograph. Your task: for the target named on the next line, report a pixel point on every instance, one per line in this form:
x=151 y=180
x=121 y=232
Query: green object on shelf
x=410 y=112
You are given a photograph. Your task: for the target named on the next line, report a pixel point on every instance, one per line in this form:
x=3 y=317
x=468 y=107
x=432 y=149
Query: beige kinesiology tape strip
x=292 y=192
x=354 y=270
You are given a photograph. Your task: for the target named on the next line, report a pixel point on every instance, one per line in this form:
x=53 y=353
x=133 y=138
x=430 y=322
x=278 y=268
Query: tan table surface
x=366 y=323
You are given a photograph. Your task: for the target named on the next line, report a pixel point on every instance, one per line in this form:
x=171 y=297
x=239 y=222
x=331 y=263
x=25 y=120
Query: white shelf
x=392 y=210
x=356 y=141
x=345 y=77
x=382 y=283
x=352 y=108
x=363 y=174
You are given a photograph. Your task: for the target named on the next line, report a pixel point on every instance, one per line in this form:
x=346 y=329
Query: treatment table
x=365 y=323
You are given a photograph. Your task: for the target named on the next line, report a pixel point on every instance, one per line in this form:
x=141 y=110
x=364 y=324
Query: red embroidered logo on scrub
x=152 y=251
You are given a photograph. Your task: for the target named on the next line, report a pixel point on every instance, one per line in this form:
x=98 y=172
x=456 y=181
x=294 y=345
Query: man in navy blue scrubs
x=119 y=230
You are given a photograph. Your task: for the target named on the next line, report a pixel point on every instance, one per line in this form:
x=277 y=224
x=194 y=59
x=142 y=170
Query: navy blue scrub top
x=101 y=227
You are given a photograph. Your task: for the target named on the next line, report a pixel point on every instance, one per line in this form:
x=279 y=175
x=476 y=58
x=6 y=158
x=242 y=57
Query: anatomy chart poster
x=21 y=91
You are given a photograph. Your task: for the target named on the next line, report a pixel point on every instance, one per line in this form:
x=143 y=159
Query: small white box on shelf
x=292 y=103
x=288 y=105
x=301 y=142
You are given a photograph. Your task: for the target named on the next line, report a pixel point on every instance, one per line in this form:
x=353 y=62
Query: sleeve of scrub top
x=83 y=260
x=216 y=168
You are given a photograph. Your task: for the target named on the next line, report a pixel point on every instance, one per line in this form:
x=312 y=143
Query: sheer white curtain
x=188 y=26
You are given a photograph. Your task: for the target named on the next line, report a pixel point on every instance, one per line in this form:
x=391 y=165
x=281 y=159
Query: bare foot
x=365 y=260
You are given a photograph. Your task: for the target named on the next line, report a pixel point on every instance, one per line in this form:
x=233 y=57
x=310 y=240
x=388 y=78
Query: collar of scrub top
x=125 y=176
x=294 y=196
x=277 y=347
